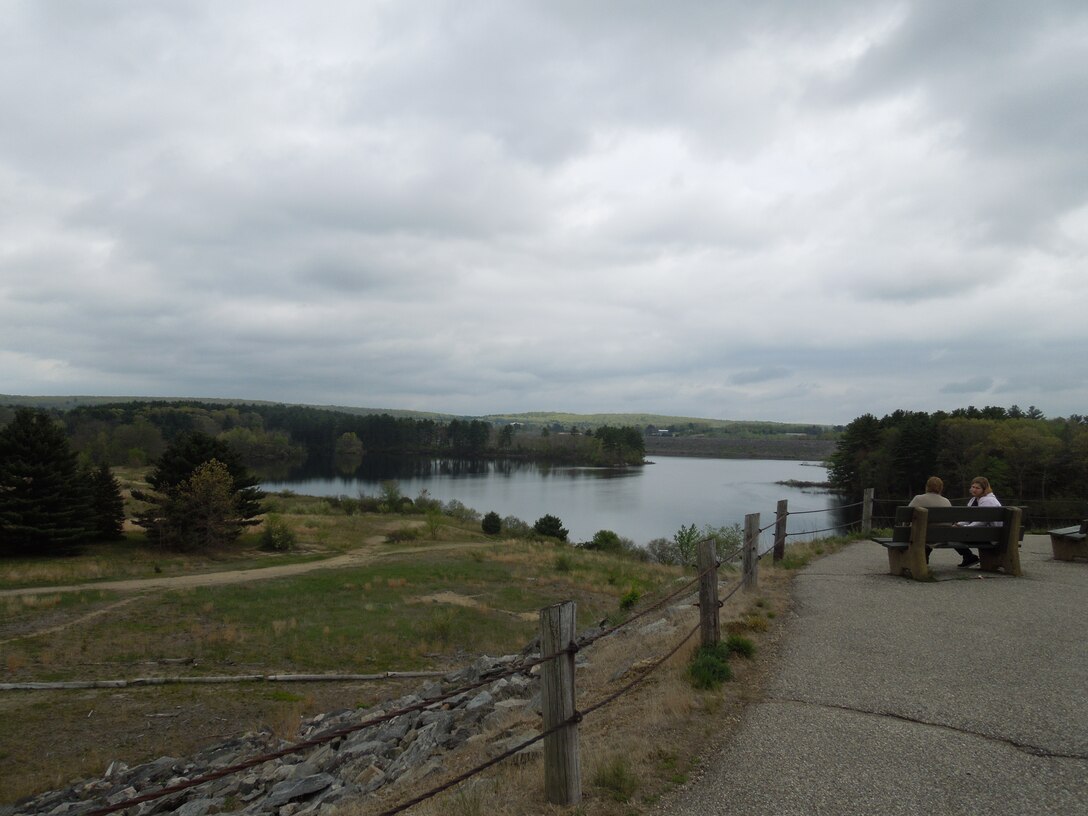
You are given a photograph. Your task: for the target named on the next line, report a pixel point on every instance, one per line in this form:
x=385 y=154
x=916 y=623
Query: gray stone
x=292 y=789
x=197 y=807
x=483 y=700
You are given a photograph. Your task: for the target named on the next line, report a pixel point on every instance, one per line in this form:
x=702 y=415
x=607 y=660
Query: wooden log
x=562 y=774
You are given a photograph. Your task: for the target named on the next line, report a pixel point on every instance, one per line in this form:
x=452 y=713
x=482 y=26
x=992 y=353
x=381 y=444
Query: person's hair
x=934 y=484
x=982 y=482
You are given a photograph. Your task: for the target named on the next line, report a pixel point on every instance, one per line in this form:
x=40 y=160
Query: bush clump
x=277 y=536
x=740 y=645
x=491 y=524
x=617 y=778
x=709 y=667
x=516 y=528
x=551 y=527
x=402 y=534
x=629 y=599
x=457 y=509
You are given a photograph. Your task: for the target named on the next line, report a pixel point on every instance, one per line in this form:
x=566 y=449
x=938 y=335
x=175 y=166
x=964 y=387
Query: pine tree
x=107 y=505
x=202 y=511
x=44 y=501
x=172 y=481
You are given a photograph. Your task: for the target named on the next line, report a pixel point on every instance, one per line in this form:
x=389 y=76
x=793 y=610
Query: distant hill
x=66 y=402
x=680 y=425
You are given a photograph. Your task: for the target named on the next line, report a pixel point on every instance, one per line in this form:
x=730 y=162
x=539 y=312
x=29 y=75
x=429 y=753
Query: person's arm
x=989 y=500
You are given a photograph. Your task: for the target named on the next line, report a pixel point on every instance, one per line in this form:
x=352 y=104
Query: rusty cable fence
x=520 y=668
x=751 y=554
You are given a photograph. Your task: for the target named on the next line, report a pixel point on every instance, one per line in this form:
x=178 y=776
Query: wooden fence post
x=751 y=551
x=867 y=511
x=709 y=620
x=780 y=529
x=562 y=775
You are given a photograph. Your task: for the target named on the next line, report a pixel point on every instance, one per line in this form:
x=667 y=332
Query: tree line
x=263 y=435
x=201 y=495
x=57 y=491
x=1025 y=455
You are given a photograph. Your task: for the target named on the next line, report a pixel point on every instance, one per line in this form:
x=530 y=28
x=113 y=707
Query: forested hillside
x=1028 y=458
x=267 y=435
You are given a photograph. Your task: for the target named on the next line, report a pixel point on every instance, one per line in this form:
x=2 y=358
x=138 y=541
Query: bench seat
x=1068 y=543
x=917 y=528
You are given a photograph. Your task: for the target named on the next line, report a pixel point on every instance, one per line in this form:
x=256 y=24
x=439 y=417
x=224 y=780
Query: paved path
x=964 y=696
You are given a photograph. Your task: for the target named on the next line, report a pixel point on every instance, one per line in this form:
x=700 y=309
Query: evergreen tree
x=491 y=524
x=174 y=517
x=550 y=526
x=107 y=505
x=44 y=503
x=202 y=511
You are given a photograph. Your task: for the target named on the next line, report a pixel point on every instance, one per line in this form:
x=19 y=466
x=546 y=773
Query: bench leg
x=908 y=562
x=1006 y=559
x=1066 y=549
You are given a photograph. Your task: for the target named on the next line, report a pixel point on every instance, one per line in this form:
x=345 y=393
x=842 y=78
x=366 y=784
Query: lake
x=640 y=503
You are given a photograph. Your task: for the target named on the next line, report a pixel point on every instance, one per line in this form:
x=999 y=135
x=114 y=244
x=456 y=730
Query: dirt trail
x=231 y=576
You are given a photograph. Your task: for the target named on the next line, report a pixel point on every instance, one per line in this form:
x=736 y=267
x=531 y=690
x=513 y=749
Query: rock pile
x=349 y=767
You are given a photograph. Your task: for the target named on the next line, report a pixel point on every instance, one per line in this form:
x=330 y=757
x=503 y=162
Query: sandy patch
x=454 y=599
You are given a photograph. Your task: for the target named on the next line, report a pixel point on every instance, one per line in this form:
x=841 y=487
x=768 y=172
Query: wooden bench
x=1068 y=542
x=918 y=527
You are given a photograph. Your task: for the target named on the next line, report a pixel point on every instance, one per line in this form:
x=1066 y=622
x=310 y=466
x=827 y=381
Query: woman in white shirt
x=981 y=496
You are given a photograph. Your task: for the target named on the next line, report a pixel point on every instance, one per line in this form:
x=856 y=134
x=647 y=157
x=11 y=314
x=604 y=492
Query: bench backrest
x=941 y=529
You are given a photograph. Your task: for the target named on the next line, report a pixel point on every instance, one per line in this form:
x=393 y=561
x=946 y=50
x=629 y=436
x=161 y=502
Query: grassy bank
x=432 y=603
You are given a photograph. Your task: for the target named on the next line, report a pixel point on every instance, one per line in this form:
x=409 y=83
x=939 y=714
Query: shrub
x=349 y=505
x=426 y=504
x=459 y=511
x=491 y=524
x=390 y=499
x=740 y=645
x=606 y=541
x=616 y=777
x=630 y=598
x=661 y=551
x=277 y=536
x=369 y=504
x=709 y=667
x=551 y=527
x=434 y=522
x=563 y=563
x=402 y=534
x=516 y=528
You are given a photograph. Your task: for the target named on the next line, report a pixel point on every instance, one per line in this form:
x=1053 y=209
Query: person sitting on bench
x=931 y=498
x=981 y=496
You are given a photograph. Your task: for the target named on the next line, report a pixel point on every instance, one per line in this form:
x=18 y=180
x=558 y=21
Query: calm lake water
x=640 y=503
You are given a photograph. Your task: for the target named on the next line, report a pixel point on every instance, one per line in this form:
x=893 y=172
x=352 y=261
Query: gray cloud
x=780 y=212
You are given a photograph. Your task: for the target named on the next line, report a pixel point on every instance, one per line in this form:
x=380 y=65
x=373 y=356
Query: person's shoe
x=969 y=560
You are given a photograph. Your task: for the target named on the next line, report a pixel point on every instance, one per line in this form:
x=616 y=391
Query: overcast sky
x=776 y=210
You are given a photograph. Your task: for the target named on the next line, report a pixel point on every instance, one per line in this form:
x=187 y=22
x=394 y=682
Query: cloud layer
x=773 y=212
